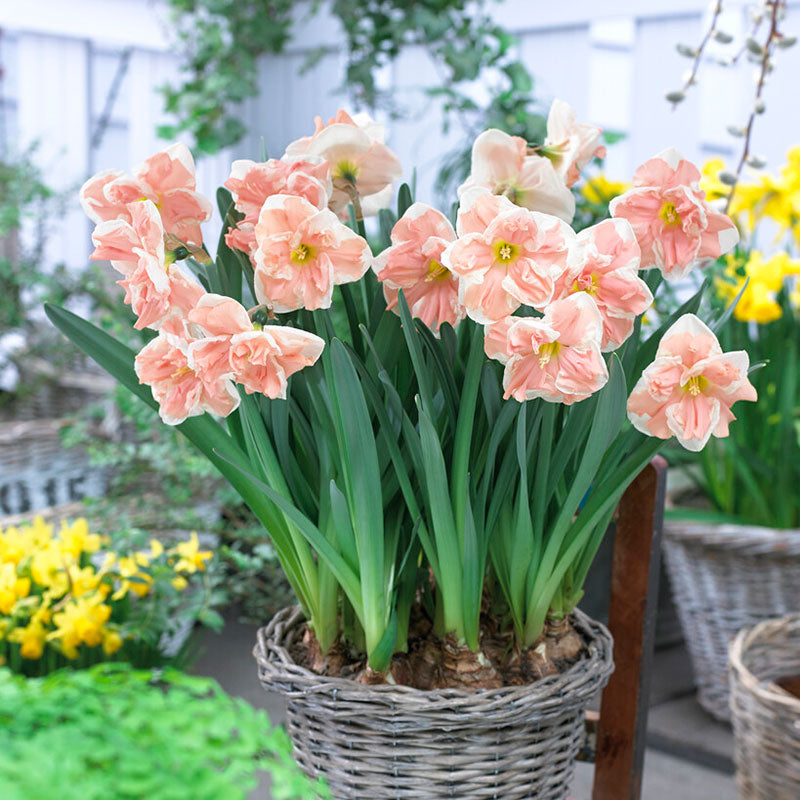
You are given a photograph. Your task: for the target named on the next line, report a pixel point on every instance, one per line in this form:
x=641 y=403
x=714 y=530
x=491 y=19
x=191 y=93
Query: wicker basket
x=725 y=578
x=766 y=719
x=381 y=742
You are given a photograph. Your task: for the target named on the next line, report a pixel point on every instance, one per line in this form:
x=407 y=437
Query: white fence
x=613 y=61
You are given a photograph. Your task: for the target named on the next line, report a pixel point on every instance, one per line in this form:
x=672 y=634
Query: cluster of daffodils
x=62 y=588
x=774 y=199
x=551 y=300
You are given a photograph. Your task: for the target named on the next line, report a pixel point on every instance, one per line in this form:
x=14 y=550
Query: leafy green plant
x=222 y=41
x=114 y=732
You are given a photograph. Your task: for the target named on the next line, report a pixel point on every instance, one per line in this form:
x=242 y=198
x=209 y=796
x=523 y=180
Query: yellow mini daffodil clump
x=767 y=276
x=62 y=598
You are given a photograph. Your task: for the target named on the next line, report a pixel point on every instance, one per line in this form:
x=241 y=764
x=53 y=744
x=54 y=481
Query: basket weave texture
x=725 y=578
x=766 y=719
x=376 y=742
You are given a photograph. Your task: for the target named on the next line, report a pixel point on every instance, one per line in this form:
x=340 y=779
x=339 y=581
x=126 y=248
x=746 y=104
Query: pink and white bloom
x=688 y=390
x=413 y=263
x=506 y=256
x=673 y=223
x=156 y=287
x=355 y=150
x=604 y=263
x=251 y=183
x=302 y=252
x=501 y=164
x=167 y=178
x=166 y=365
x=556 y=357
x=260 y=358
x=93 y=198
x=569 y=144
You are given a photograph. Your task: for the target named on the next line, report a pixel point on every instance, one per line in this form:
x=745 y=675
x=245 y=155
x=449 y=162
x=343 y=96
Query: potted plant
x=734 y=562
x=435 y=437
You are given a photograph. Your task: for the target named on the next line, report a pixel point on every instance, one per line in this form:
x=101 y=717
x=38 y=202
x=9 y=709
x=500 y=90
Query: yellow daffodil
x=132 y=578
x=76 y=539
x=191 y=558
x=81 y=621
x=12 y=588
x=759 y=301
x=710 y=182
x=601 y=190
x=31 y=639
x=112 y=642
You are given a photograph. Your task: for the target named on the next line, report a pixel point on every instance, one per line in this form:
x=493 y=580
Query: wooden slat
x=632 y=616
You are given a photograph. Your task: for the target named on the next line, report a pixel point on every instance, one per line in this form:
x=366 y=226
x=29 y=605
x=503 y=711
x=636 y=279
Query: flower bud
x=689 y=78
x=755 y=161
x=723 y=37
x=735 y=130
x=786 y=42
x=754 y=47
x=728 y=178
x=676 y=97
x=759 y=107
x=685 y=50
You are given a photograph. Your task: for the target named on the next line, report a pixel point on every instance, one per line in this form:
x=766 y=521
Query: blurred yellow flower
x=191 y=558
x=759 y=301
x=12 y=588
x=76 y=539
x=601 y=190
x=82 y=621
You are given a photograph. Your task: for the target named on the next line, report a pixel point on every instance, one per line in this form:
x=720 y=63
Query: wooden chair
x=621 y=726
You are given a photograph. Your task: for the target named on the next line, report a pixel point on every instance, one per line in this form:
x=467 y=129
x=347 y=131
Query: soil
x=433 y=663
x=790 y=684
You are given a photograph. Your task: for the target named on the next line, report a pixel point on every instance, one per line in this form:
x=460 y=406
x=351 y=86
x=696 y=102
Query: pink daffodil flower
x=167 y=178
x=302 y=252
x=569 y=144
x=688 y=390
x=506 y=256
x=413 y=263
x=251 y=183
x=167 y=366
x=556 y=357
x=260 y=358
x=502 y=165
x=355 y=150
x=604 y=263
x=155 y=286
x=673 y=223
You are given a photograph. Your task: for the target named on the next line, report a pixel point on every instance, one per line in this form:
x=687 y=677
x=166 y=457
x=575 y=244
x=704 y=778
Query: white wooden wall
x=613 y=61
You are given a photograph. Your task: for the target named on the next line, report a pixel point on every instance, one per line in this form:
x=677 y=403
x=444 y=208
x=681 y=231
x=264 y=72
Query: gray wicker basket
x=766 y=718
x=382 y=742
x=725 y=578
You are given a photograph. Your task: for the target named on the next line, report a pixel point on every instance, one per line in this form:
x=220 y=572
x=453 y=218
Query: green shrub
x=113 y=733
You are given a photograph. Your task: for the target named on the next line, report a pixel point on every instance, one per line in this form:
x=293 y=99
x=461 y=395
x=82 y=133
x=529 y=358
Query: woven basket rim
x=765 y=690
x=730 y=535
x=278 y=670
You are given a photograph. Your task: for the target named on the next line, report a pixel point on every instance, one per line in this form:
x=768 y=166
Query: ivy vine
x=223 y=40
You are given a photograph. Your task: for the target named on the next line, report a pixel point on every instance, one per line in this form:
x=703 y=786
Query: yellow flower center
x=505 y=252
x=436 y=272
x=669 y=214
x=346 y=170
x=180 y=372
x=695 y=386
x=586 y=283
x=547 y=352
x=303 y=253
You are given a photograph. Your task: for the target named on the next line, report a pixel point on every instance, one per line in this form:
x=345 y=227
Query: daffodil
x=12 y=588
x=76 y=539
x=81 y=621
x=191 y=558
x=600 y=189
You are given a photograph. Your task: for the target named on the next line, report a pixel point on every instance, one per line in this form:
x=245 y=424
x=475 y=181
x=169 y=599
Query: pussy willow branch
x=774 y=7
x=712 y=29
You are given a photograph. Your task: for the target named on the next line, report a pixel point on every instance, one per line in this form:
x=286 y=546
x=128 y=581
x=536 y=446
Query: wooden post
x=632 y=617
